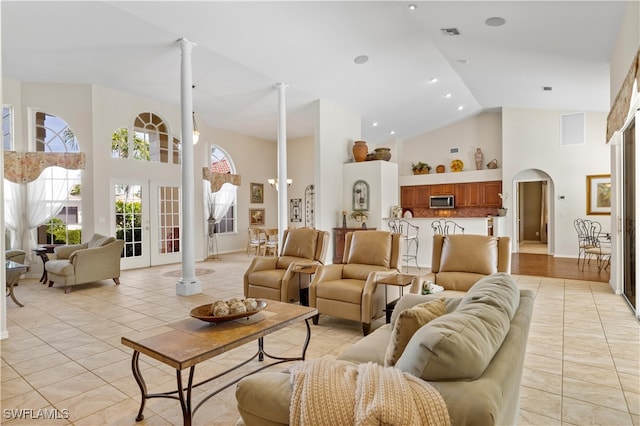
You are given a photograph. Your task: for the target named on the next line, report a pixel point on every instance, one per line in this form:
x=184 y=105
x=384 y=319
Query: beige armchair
x=458 y=261
x=17 y=256
x=273 y=277
x=98 y=259
x=349 y=290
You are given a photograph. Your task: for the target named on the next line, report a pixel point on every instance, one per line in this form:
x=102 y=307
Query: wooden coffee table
x=192 y=341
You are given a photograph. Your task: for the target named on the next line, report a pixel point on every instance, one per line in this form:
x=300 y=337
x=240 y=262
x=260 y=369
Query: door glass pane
x=169 y=219
x=128 y=201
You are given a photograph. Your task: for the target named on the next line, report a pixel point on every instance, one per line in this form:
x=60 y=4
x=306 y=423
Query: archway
x=533 y=221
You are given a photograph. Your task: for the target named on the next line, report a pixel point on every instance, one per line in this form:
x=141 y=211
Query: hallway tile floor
x=64 y=355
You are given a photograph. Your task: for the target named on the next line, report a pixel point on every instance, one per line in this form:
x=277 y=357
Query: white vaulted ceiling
x=244 y=48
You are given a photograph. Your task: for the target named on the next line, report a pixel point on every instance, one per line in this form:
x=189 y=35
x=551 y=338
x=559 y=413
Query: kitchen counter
x=471 y=225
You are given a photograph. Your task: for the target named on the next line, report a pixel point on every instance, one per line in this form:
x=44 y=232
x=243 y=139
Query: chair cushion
x=60 y=267
x=271 y=278
x=300 y=243
x=461 y=344
x=360 y=250
x=345 y=290
x=469 y=253
x=407 y=323
x=360 y=272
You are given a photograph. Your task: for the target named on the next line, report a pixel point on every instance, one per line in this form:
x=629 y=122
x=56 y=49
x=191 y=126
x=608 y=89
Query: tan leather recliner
x=98 y=259
x=458 y=261
x=349 y=290
x=273 y=277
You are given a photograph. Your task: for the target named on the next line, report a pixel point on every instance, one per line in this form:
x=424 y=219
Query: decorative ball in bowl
x=221 y=310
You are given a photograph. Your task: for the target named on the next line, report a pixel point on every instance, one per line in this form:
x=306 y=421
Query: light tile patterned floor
x=64 y=351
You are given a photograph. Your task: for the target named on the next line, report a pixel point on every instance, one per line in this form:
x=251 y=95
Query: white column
x=283 y=209
x=4 y=333
x=188 y=284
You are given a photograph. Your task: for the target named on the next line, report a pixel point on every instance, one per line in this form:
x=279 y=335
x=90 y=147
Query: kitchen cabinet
x=408 y=197
x=490 y=191
x=468 y=194
x=422 y=195
x=442 y=189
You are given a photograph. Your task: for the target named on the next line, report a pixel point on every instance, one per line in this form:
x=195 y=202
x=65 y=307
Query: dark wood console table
x=339 y=237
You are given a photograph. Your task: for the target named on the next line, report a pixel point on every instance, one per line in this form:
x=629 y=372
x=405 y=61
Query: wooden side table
x=397 y=280
x=42 y=252
x=308 y=269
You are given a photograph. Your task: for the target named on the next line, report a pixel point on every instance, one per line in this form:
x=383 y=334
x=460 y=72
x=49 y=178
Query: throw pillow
x=407 y=323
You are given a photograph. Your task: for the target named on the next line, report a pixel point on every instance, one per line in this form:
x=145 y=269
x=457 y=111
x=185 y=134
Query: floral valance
x=219 y=179
x=620 y=108
x=25 y=167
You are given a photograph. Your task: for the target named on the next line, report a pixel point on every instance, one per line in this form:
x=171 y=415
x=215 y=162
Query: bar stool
x=410 y=239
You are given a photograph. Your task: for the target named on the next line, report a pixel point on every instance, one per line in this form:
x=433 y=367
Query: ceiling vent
x=450 y=31
x=547 y=88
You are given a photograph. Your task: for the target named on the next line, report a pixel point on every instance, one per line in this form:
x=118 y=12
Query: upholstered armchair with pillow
x=98 y=259
x=273 y=277
x=349 y=290
x=459 y=261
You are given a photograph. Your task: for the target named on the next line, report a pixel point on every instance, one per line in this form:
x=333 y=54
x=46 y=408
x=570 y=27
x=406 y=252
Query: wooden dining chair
x=256 y=240
x=271 y=242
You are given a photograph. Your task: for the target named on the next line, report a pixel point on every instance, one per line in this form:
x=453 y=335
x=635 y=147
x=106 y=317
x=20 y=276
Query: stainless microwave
x=441 y=202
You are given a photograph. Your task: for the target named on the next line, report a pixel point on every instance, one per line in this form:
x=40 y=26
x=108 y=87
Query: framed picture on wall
x=256 y=217
x=257 y=193
x=599 y=194
x=295 y=210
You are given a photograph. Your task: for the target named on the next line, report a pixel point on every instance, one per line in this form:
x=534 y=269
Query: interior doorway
x=532 y=202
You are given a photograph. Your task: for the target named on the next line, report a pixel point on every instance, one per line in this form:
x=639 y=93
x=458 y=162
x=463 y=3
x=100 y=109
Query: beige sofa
x=98 y=259
x=473 y=355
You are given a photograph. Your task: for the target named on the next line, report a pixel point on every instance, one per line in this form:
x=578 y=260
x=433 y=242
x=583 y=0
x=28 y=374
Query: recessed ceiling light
x=446 y=95
x=375 y=124
x=462 y=61
x=413 y=6
x=362 y=59
x=460 y=108
x=433 y=80
x=495 y=21
x=393 y=132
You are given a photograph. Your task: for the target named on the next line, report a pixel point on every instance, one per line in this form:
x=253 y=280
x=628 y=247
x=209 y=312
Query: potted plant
x=420 y=168
x=503 y=210
x=360 y=216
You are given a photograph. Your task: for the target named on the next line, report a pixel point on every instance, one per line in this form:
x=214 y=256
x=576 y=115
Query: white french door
x=147 y=216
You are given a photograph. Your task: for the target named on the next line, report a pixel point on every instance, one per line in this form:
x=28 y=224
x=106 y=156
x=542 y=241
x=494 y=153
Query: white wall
x=300 y=159
x=531 y=141
x=480 y=131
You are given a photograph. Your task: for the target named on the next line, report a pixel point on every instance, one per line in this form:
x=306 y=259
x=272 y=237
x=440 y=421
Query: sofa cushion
x=407 y=323
x=271 y=278
x=360 y=272
x=360 y=248
x=460 y=345
x=60 y=267
x=99 y=240
x=346 y=290
x=481 y=254
x=301 y=243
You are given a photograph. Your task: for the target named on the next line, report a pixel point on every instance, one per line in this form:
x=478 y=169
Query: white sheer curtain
x=30 y=205
x=218 y=202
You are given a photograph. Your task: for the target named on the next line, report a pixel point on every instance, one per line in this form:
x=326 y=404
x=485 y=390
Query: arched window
x=149 y=140
x=61 y=190
x=220 y=206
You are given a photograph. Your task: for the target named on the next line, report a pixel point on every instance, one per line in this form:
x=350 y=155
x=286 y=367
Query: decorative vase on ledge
x=360 y=151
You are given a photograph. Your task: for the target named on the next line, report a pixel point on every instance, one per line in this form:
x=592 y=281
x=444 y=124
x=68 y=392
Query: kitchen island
x=471 y=225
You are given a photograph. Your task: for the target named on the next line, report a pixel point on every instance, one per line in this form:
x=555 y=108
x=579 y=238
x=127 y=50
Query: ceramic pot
x=382 y=154
x=440 y=168
x=360 y=151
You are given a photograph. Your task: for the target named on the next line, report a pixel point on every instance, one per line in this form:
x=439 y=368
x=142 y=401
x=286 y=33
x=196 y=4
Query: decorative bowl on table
x=205 y=312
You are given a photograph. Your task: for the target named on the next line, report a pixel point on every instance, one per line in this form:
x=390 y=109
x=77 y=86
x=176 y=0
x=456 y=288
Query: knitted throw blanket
x=327 y=392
